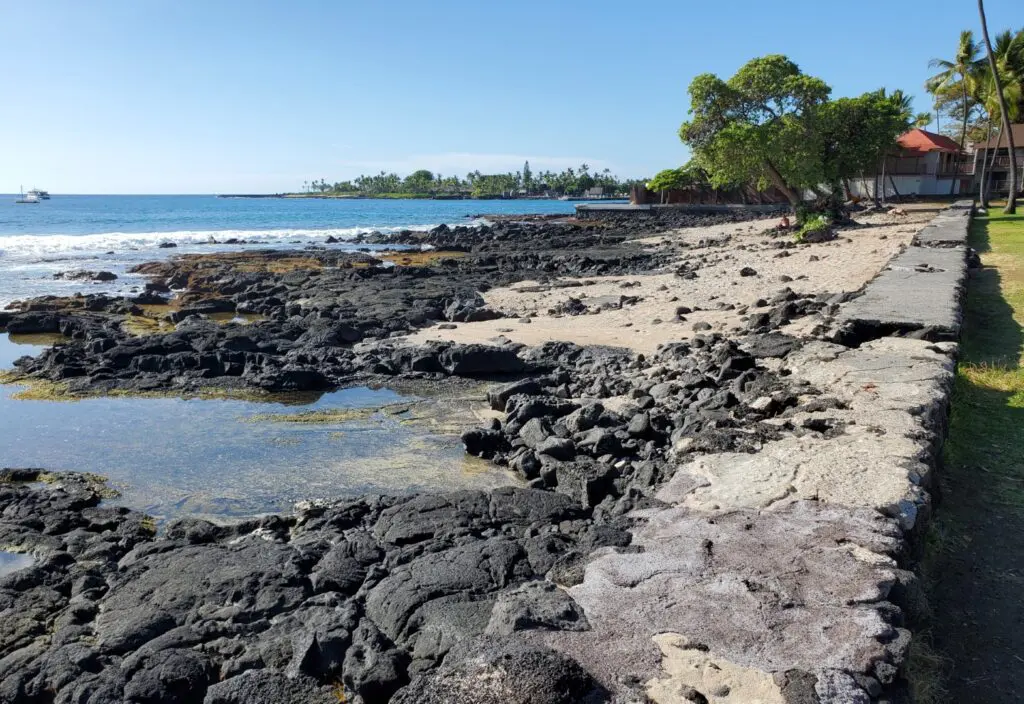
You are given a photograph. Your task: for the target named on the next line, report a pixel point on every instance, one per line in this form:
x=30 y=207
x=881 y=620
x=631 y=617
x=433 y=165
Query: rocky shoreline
x=693 y=525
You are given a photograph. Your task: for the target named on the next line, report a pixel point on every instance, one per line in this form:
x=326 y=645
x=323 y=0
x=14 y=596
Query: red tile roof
x=922 y=142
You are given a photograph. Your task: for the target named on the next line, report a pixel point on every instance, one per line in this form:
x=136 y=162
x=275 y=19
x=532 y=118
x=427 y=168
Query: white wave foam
x=49 y=244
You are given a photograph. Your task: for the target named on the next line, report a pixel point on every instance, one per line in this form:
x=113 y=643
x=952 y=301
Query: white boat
x=40 y=195
x=27 y=197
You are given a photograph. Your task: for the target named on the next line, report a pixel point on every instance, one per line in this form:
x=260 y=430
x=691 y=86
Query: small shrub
x=816 y=228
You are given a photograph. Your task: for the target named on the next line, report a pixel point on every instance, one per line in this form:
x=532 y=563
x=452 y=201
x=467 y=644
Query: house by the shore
x=996 y=154
x=924 y=164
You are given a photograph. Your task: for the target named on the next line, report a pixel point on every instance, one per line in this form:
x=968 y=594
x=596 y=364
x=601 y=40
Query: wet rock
x=483 y=442
x=82 y=275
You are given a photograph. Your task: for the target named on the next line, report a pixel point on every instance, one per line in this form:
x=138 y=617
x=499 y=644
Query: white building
x=927 y=164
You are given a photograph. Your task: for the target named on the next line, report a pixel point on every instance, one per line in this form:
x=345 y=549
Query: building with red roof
x=995 y=153
x=922 y=142
x=925 y=164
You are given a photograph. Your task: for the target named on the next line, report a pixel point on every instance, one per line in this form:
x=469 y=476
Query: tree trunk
x=884 y=159
x=1011 y=200
x=963 y=138
x=874 y=184
x=992 y=163
x=777 y=181
x=846 y=189
x=983 y=188
x=894 y=189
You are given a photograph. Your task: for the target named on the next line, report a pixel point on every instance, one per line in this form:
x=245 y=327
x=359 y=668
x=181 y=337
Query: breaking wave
x=43 y=245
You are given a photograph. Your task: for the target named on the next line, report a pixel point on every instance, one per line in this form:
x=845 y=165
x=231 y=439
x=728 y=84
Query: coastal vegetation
x=774 y=126
x=981 y=95
x=525 y=183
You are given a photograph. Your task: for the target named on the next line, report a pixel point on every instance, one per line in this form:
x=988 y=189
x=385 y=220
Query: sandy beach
x=640 y=312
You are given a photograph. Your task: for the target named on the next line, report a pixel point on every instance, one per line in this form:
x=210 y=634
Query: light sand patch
x=832 y=267
x=720 y=681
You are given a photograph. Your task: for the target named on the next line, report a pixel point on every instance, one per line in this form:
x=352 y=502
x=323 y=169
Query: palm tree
x=1009 y=55
x=956 y=75
x=997 y=83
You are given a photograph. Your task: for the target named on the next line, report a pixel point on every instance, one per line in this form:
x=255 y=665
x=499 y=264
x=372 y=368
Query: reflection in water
x=173 y=456
x=13 y=561
x=14 y=346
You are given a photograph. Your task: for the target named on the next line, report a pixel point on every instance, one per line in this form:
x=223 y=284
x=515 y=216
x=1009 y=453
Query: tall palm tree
x=956 y=76
x=1009 y=56
x=997 y=83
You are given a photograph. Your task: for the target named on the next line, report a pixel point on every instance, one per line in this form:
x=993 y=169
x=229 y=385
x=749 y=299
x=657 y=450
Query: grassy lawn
x=987 y=424
x=973 y=568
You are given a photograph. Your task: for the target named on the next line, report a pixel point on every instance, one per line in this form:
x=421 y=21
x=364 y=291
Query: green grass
x=987 y=422
x=984 y=453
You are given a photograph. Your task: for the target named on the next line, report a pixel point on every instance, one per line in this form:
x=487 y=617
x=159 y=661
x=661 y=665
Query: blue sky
x=189 y=96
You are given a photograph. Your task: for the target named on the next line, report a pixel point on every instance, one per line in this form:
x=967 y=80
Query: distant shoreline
x=395 y=196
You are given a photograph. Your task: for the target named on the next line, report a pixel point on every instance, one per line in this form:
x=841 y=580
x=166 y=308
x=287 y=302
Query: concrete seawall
x=785 y=575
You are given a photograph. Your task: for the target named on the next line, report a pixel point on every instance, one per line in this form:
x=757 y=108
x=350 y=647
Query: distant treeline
x=524 y=183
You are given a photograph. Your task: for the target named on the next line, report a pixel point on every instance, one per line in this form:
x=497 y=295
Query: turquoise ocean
x=112 y=233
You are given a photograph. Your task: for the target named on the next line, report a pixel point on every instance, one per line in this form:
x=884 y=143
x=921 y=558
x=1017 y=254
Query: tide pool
x=225 y=458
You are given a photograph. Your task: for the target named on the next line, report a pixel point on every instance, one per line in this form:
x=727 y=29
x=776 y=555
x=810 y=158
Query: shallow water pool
x=175 y=456
x=13 y=561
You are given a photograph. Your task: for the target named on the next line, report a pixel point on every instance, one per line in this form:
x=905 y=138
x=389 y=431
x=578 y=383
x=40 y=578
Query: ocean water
x=224 y=458
x=112 y=233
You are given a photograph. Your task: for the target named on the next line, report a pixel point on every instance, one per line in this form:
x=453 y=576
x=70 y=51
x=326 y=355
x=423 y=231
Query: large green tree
x=690 y=174
x=856 y=135
x=421 y=181
x=755 y=126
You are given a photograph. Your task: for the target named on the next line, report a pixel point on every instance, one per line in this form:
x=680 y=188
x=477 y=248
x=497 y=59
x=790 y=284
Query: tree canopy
x=754 y=126
x=773 y=125
x=690 y=174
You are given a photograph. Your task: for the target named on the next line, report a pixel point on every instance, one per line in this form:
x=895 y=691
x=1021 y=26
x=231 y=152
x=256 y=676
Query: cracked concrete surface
x=920 y=289
x=893 y=393
x=774 y=591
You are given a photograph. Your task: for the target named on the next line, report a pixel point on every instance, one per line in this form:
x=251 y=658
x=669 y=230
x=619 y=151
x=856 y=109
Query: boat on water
x=40 y=194
x=29 y=197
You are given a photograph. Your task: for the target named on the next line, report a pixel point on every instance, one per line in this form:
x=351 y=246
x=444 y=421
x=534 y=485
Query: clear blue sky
x=190 y=96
